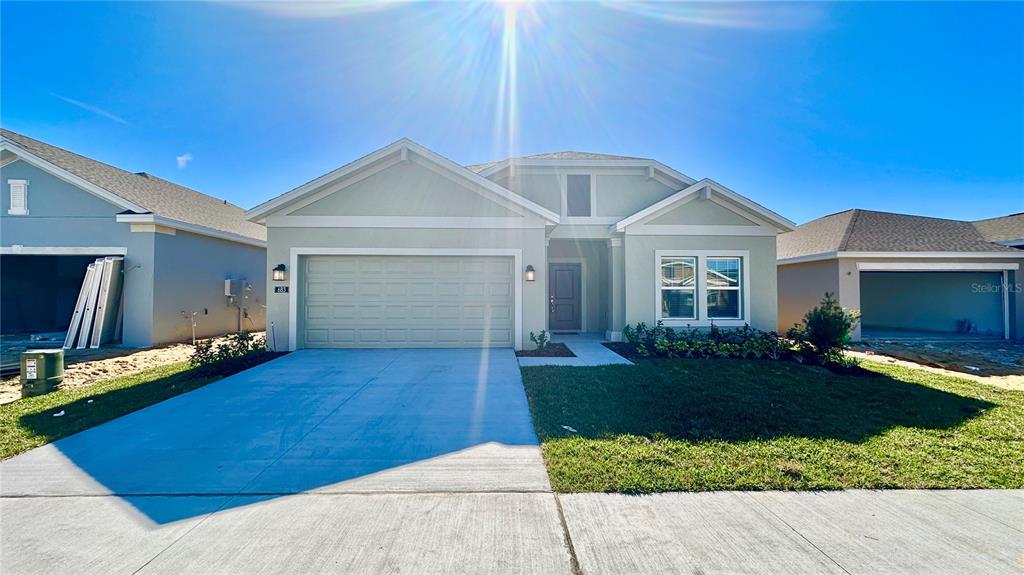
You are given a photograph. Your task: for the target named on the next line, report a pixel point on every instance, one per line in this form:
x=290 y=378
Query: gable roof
x=870 y=231
x=711 y=186
x=135 y=192
x=566 y=155
x=1008 y=230
x=402 y=147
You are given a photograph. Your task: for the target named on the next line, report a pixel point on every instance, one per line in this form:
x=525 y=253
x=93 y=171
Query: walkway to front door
x=565 y=312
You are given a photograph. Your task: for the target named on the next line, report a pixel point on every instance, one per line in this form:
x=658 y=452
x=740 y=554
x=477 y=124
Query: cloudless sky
x=807 y=108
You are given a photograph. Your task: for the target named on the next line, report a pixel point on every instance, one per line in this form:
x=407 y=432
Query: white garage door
x=407 y=301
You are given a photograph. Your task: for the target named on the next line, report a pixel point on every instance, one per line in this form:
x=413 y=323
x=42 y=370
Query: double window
x=701 y=288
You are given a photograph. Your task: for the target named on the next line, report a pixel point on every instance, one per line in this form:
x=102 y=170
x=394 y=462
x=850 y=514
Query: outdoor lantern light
x=529 y=273
x=279 y=273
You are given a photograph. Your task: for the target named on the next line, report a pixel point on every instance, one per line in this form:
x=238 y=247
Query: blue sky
x=808 y=108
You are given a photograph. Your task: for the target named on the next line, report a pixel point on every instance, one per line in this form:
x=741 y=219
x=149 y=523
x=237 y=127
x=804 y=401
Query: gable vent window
x=19 y=197
x=577 y=196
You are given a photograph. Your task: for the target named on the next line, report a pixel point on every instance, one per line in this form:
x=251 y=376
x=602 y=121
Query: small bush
x=745 y=342
x=541 y=340
x=825 y=331
x=243 y=343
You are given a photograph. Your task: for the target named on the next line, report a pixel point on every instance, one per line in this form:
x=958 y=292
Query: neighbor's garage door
x=932 y=301
x=414 y=301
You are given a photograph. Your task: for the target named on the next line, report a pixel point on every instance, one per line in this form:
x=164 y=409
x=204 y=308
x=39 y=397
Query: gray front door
x=565 y=311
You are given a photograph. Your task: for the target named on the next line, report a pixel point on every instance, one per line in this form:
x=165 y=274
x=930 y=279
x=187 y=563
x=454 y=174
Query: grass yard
x=707 y=424
x=30 y=422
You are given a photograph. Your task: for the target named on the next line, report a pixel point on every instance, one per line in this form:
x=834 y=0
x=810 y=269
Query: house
x=908 y=273
x=60 y=211
x=405 y=248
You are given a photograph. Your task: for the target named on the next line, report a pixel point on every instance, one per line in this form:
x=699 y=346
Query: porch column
x=616 y=289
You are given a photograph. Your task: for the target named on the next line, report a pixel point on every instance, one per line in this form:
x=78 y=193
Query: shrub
x=541 y=340
x=745 y=342
x=826 y=330
x=243 y=343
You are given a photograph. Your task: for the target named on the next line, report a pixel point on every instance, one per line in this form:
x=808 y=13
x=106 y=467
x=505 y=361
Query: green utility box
x=41 y=371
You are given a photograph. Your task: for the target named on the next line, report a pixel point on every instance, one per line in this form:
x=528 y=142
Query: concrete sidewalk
x=869 y=532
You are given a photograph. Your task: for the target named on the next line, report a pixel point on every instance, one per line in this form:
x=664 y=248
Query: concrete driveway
x=344 y=460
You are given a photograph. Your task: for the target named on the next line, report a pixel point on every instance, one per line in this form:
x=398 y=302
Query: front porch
x=581 y=287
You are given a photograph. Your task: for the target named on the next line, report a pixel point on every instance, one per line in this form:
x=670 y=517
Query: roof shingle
x=159 y=196
x=870 y=231
x=1004 y=229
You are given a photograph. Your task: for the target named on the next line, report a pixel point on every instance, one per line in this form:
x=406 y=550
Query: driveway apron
x=324 y=460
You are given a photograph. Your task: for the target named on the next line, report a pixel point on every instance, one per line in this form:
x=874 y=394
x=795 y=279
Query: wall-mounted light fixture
x=530 y=273
x=280 y=273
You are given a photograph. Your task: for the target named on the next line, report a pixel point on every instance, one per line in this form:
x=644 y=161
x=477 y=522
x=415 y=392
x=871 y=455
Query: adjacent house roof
x=870 y=231
x=1005 y=230
x=566 y=155
x=140 y=190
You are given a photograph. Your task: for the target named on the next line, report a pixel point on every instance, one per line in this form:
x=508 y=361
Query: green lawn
x=30 y=422
x=706 y=424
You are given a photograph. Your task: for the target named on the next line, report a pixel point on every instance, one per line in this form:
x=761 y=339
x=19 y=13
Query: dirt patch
x=997 y=357
x=1011 y=382
x=81 y=372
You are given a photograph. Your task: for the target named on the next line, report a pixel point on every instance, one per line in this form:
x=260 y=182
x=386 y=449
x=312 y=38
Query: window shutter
x=19 y=197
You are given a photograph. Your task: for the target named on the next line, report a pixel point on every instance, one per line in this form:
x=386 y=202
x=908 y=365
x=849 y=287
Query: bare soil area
x=1011 y=382
x=106 y=363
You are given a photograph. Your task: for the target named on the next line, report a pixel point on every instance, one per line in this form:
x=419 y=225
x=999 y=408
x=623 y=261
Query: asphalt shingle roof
x=566 y=155
x=157 y=195
x=870 y=231
x=1004 y=229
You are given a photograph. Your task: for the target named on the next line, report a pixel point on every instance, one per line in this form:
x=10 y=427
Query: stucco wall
x=62 y=215
x=543 y=189
x=530 y=241
x=626 y=195
x=405 y=190
x=595 y=255
x=190 y=274
x=802 y=286
x=640 y=266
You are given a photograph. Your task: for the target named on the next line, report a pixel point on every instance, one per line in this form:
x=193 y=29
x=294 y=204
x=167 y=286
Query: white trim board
x=899 y=255
x=583 y=289
x=935 y=266
x=295 y=281
x=63 y=251
x=429 y=222
x=402 y=148
x=700 y=292
x=651 y=165
x=708 y=187
x=186 y=227
x=1006 y=304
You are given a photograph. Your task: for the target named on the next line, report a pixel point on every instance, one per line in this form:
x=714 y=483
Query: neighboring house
x=907 y=273
x=60 y=211
x=406 y=248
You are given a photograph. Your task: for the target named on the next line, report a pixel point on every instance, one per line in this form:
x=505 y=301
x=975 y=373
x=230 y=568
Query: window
x=679 y=288
x=699 y=288
x=577 y=195
x=723 y=288
x=19 y=197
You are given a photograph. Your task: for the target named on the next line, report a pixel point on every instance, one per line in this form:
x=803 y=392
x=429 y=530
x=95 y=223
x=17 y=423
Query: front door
x=565 y=312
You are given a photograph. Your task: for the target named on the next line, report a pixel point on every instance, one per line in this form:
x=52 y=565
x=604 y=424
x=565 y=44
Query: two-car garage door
x=407 y=301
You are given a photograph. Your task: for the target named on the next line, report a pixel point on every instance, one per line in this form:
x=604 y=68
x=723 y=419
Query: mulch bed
x=628 y=351
x=552 y=350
